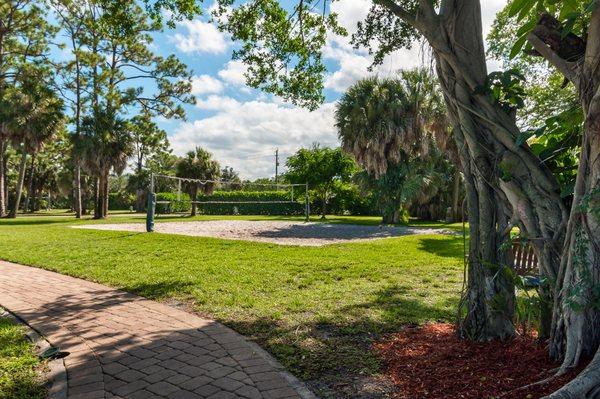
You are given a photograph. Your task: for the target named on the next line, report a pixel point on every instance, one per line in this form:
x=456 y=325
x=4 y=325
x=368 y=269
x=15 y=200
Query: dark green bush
x=250 y=196
x=176 y=206
x=253 y=203
x=120 y=201
x=250 y=203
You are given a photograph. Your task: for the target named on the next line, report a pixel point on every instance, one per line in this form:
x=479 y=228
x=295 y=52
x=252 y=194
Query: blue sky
x=242 y=127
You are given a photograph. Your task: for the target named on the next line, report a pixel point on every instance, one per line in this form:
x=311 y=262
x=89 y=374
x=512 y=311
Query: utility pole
x=276 y=165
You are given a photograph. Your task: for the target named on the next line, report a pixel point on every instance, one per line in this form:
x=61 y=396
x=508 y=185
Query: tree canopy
x=321 y=168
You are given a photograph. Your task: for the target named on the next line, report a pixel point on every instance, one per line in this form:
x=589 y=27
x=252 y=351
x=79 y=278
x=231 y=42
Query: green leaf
x=571 y=19
x=516 y=7
x=568 y=189
x=518 y=46
x=568 y=7
x=496 y=90
x=526 y=9
x=526 y=27
x=521 y=8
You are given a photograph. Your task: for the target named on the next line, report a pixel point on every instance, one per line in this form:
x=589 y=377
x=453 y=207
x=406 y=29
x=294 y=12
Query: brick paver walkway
x=124 y=346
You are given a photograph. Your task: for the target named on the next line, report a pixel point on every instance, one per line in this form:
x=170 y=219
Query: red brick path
x=124 y=346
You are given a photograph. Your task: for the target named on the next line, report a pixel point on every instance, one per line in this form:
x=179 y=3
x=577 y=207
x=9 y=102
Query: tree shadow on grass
x=160 y=290
x=448 y=247
x=333 y=353
x=24 y=221
x=327 y=232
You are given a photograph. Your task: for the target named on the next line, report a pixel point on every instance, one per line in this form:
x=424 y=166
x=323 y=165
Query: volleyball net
x=172 y=195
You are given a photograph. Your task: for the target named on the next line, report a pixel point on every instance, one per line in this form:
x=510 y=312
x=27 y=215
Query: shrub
x=120 y=201
x=182 y=205
x=252 y=203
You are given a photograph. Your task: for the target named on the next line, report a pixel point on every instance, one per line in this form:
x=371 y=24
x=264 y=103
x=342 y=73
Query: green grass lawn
x=316 y=309
x=18 y=363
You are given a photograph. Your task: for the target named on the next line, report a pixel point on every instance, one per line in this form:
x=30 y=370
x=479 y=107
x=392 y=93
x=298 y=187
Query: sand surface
x=276 y=232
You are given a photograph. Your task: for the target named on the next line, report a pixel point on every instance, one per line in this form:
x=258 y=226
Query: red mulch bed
x=432 y=362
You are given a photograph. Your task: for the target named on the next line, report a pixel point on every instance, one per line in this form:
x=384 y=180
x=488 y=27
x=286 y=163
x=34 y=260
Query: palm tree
x=424 y=90
x=387 y=124
x=6 y=116
x=199 y=165
x=37 y=117
x=105 y=145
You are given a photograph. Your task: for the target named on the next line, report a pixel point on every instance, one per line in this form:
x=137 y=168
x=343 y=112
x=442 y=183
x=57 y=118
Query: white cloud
x=352 y=67
x=201 y=37
x=206 y=84
x=233 y=73
x=349 y=12
x=353 y=63
x=240 y=130
x=217 y=103
x=489 y=9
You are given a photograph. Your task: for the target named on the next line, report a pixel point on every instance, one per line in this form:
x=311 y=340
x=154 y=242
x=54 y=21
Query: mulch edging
x=56 y=376
x=432 y=362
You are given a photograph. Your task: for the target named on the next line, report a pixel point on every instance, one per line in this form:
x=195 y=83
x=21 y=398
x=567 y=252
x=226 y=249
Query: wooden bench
x=525 y=263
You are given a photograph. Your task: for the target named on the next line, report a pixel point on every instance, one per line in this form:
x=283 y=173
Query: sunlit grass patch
x=19 y=378
x=317 y=309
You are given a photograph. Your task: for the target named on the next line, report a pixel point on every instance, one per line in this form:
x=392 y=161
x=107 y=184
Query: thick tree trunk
x=576 y=322
x=77 y=190
x=97 y=197
x=392 y=217
x=505 y=183
x=396 y=217
x=490 y=295
x=140 y=193
x=140 y=199
x=456 y=214
x=84 y=201
x=2 y=179
x=30 y=186
x=106 y=197
x=20 y=182
x=36 y=199
x=6 y=199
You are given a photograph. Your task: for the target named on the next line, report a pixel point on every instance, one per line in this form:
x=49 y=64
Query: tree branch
x=565 y=67
x=397 y=10
x=426 y=9
x=592 y=54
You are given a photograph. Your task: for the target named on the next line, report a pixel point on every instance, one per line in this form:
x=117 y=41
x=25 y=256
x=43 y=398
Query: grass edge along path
x=19 y=365
x=317 y=310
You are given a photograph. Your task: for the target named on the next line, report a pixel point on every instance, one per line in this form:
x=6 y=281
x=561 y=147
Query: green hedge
x=289 y=208
x=249 y=196
x=183 y=205
x=120 y=201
